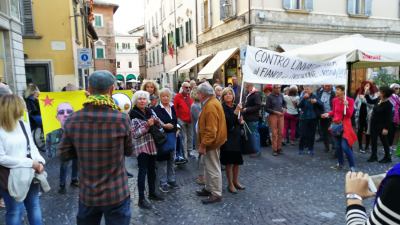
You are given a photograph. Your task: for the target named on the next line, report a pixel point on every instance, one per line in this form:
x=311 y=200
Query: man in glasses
x=64 y=110
x=182 y=105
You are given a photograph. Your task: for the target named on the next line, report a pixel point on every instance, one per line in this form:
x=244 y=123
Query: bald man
x=64 y=110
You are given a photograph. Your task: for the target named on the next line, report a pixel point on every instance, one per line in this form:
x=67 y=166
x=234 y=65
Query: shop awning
x=173 y=70
x=193 y=63
x=120 y=77
x=130 y=77
x=219 y=59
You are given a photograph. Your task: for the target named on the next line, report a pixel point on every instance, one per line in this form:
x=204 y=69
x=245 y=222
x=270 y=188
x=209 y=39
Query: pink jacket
x=394 y=99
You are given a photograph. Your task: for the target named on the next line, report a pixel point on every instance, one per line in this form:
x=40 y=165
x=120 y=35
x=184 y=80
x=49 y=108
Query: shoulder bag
x=4 y=171
x=336 y=129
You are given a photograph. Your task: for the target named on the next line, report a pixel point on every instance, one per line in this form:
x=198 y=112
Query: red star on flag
x=48 y=101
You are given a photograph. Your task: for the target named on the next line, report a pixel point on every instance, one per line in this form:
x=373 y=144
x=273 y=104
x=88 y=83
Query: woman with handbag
x=341 y=127
x=166 y=153
x=18 y=152
x=231 y=155
x=143 y=120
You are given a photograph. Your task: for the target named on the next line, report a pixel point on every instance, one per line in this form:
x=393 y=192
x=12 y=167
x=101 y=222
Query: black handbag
x=158 y=134
x=248 y=140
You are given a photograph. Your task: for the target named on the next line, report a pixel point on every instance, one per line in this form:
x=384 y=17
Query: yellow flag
x=55 y=107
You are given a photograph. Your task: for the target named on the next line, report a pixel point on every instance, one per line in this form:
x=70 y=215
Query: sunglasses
x=64 y=111
x=187 y=87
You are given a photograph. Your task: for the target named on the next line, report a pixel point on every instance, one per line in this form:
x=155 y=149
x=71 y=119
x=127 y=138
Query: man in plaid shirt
x=99 y=137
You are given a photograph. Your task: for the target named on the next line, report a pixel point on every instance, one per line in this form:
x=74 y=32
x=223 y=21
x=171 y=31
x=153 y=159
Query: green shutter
x=97 y=22
x=190 y=30
x=99 y=53
x=177 y=37
x=187 y=31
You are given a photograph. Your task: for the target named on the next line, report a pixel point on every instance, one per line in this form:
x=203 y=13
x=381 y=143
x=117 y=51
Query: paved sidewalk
x=288 y=189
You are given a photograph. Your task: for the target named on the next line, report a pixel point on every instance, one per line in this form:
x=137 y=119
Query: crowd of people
x=211 y=125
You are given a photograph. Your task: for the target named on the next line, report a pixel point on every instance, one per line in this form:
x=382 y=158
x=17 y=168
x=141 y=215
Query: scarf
x=101 y=100
x=395 y=171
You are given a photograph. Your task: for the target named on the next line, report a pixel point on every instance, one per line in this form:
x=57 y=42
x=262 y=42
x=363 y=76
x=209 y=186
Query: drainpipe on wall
x=176 y=47
x=249 y=2
x=197 y=39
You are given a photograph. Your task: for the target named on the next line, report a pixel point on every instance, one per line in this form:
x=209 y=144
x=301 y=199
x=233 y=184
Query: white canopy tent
x=360 y=51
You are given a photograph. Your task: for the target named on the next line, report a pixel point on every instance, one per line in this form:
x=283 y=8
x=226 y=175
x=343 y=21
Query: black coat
x=233 y=128
x=253 y=107
x=382 y=116
x=163 y=115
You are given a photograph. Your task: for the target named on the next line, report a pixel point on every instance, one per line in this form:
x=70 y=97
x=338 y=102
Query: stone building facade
x=12 y=69
x=104 y=52
x=170 y=34
x=282 y=24
x=127 y=55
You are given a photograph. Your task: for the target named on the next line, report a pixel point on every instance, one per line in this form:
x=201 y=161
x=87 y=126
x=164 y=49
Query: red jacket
x=338 y=115
x=182 y=108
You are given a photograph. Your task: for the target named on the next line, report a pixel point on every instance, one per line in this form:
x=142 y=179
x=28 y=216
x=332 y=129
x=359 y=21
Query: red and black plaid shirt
x=100 y=138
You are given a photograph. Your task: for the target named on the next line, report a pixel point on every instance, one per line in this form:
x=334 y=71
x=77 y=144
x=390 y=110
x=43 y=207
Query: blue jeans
x=15 y=210
x=253 y=126
x=118 y=214
x=166 y=170
x=342 y=146
x=63 y=171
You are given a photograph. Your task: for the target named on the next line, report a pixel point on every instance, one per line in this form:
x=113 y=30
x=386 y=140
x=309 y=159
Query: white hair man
x=182 y=104
x=212 y=134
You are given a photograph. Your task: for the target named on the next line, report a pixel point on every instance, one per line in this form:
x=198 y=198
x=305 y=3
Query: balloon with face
x=123 y=102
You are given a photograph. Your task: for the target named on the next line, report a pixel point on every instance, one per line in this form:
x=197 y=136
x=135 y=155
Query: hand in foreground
x=325 y=115
x=168 y=126
x=385 y=132
x=150 y=122
x=357 y=183
x=38 y=167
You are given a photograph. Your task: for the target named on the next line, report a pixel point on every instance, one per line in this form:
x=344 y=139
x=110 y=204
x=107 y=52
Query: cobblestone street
x=288 y=189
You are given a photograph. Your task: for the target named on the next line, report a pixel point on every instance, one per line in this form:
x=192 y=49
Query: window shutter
x=187 y=31
x=286 y=4
x=234 y=10
x=209 y=14
x=182 y=37
x=162 y=44
x=351 y=10
x=203 y=25
x=190 y=30
x=309 y=6
x=368 y=7
x=222 y=13
x=177 y=37
x=28 y=17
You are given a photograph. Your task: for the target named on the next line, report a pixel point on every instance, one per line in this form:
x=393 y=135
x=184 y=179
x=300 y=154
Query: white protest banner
x=268 y=67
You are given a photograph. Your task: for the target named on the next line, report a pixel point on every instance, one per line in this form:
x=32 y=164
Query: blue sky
x=129 y=15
